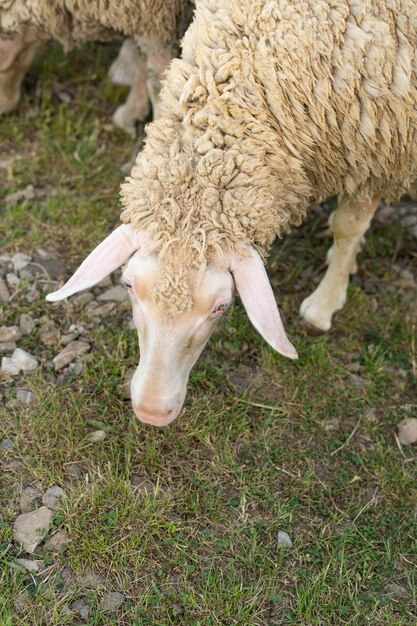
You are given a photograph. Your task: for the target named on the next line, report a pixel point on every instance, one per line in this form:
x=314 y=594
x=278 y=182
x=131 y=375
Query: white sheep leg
x=157 y=63
x=351 y=221
x=136 y=107
x=123 y=69
x=16 y=54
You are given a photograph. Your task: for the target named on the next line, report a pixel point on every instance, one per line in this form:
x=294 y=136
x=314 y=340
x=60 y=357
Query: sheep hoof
x=314 y=315
x=124 y=120
x=311 y=330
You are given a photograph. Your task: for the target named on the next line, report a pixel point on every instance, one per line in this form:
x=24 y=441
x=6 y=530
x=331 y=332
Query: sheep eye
x=126 y=284
x=219 y=309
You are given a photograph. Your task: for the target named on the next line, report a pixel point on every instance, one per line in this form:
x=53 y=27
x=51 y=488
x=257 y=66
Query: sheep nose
x=152 y=416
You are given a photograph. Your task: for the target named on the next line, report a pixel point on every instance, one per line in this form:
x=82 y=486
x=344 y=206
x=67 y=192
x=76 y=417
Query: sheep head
x=171 y=342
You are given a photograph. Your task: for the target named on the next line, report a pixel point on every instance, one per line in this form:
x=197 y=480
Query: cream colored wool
x=274 y=105
x=75 y=21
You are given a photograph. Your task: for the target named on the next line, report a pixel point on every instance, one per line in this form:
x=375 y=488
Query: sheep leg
x=157 y=63
x=16 y=54
x=123 y=69
x=136 y=107
x=351 y=221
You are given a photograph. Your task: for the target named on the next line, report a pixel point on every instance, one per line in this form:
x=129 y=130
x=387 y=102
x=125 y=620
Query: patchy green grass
x=262 y=445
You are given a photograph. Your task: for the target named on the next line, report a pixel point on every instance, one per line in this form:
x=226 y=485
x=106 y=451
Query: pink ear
x=108 y=256
x=256 y=293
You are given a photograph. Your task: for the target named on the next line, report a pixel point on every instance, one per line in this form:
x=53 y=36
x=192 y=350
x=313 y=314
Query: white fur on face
x=170 y=345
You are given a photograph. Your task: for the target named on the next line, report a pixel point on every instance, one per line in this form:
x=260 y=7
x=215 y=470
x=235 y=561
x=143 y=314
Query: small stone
x=9 y=333
x=100 y=311
x=67 y=338
x=24 y=396
x=24 y=360
x=52 y=496
x=27 y=275
x=27 y=564
x=30 y=499
x=7 y=346
x=30 y=528
x=90 y=580
x=7 y=444
x=80 y=607
x=54 y=268
x=82 y=299
x=357 y=381
x=97 y=435
x=26 y=194
x=114 y=294
x=9 y=367
x=71 y=351
x=12 y=280
x=32 y=294
x=49 y=333
x=284 y=539
x=106 y=282
x=20 y=260
x=407 y=431
x=58 y=542
x=76 y=368
x=112 y=601
x=4 y=292
x=332 y=425
x=26 y=324
x=143 y=485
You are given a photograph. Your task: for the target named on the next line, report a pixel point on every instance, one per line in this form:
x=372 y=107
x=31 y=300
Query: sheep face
x=171 y=339
x=170 y=343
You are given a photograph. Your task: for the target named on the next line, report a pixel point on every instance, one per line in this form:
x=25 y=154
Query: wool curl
x=72 y=22
x=273 y=106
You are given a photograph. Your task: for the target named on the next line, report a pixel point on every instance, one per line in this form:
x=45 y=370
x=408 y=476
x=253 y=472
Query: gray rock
x=52 y=496
x=9 y=333
x=23 y=195
x=67 y=338
x=12 y=280
x=90 y=580
x=76 y=368
x=54 y=268
x=24 y=396
x=71 y=351
x=28 y=275
x=30 y=528
x=30 y=499
x=100 y=311
x=4 y=292
x=112 y=601
x=20 y=260
x=7 y=346
x=27 y=564
x=24 y=360
x=407 y=431
x=284 y=539
x=106 y=282
x=49 y=333
x=97 y=435
x=58 y=542
x=7 y=444
x=26 y=324
x=114 y=294
x=84 y=298
x=81 y=608
x=32 y=294
x=9 y=367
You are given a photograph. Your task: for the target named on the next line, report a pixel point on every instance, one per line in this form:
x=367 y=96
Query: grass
x=263 y=444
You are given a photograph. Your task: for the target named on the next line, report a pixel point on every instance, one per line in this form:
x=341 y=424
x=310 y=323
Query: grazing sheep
x=274 y=105
x=156 y=29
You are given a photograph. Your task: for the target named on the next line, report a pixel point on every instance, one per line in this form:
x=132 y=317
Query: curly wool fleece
x=75 y=21
x=273 y=105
